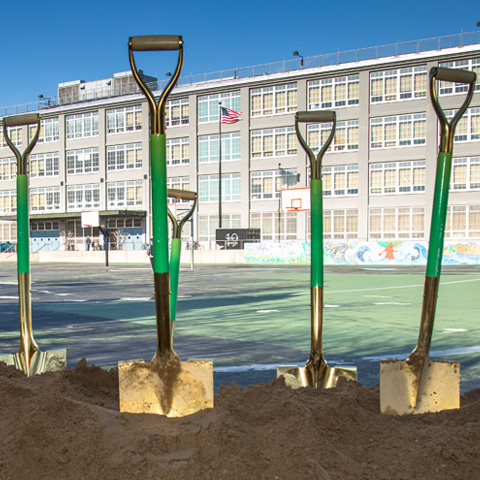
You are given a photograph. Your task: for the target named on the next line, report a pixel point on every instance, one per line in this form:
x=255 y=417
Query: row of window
x=393 y=131
x=340 y=180
x=386 y=132
x=463 y=221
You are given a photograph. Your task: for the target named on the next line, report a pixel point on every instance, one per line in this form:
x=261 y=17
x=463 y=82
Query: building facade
x=378 y=174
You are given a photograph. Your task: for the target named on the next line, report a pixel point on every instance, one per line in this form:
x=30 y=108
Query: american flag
x=230 y=116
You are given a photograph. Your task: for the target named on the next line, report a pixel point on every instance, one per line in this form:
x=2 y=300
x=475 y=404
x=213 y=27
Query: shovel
x=29 y=358
x=176 y=247
x=166 y=385
x=418 y=384
x=316 y=372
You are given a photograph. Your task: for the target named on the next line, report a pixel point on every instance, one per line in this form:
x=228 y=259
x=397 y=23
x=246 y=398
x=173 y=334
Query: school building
x=378 y=175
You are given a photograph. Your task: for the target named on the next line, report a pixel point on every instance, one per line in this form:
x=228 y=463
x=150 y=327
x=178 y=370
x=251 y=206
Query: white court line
x=7 y=296
x=434 y=353
x=400 y=286
x=135 y=299
x=391 y=303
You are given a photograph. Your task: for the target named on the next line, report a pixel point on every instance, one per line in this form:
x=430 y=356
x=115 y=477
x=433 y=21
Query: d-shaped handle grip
x=24 y=119
x=318 y=117
x=155 y=42
x=181 y=194
x=453 y=75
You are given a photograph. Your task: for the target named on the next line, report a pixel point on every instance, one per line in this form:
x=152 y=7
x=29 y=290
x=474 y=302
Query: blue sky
x=45 y=43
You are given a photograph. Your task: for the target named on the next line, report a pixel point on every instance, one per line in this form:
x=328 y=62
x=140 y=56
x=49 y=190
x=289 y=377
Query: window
x=44 y=165
x=208 y=224
x=340 y=180
x=398 y=131
x=208 y=105
x=345 y=139
x=15 y=134
x=8 y=201
x=177 y=112
x=273 y=100
x=80 y=197
x=126 y=119
x=124 y=157
x=48 y=130
x=276 y=226
x=333 y=92
x=120 y=223
x=82 y=125
x=82 y=161
x=44 y=226
x=274 y=142
x=338 y=224
x=125 y=194
x=8 y=168
x=178 y=151
x=468 y=127
x=397 y=177
x=449 y=88
x=463 y=221
x=395 y=85
x=397 y=223
x=178 y=183
x=44 y=199
x=465 y=174
x=208 y=147
x=268 y=184
x=208 y=187
x=8 y=231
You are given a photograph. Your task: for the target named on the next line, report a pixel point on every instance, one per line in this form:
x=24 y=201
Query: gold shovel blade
x=297 y=377
x=439 y=387
x=172 y=388
x=41 y=362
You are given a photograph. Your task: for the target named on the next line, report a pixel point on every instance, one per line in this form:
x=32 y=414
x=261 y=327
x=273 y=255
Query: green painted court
x=247 y=318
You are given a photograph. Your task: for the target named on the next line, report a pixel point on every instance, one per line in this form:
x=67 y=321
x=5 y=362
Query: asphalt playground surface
x=246 y=318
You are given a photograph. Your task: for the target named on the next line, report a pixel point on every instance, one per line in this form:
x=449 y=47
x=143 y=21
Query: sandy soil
x=66 y=425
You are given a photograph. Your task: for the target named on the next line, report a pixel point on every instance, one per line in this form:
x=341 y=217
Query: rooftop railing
x=339 y=58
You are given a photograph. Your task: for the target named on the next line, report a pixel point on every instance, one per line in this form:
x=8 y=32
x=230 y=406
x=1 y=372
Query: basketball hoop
x=295 y=199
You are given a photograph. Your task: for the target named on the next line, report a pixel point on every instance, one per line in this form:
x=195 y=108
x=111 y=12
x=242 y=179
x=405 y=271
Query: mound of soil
x=66 y=425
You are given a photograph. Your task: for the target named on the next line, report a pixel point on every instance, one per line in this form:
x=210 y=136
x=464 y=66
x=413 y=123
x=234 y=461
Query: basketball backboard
x=90 y=219
x=295 y=199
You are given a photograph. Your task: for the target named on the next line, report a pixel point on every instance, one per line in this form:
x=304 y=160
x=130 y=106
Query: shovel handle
x=155 y=42
x=453 y=75
x=19 y=120
x=317 y=117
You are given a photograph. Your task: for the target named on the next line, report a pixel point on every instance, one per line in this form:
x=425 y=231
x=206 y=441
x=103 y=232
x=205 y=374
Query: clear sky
x=45 y=43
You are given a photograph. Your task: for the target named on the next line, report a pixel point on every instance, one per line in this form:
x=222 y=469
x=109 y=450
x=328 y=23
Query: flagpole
x=220 y=165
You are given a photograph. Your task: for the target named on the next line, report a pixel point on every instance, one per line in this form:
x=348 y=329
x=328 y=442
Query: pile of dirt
x=66 y=425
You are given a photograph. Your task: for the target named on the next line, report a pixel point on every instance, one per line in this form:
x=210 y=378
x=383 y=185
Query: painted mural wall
x=358 y=253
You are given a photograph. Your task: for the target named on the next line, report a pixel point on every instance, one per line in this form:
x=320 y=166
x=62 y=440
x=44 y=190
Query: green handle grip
x=158 y=160
x=318 y=117
x=23 y=226
x=175 y=253
x=155 y=42
x=439 y=214
x=316 y=262
x=19 y=120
